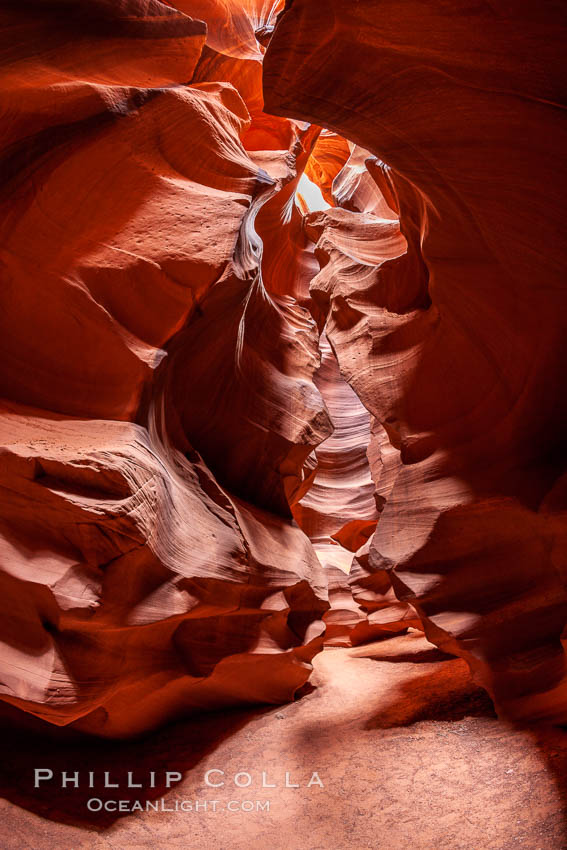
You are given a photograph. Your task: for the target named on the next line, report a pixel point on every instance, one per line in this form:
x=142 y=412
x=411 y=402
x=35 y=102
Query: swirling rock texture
x=339 y=514
x=230 y=411
x=455 y=342
x=153 y=439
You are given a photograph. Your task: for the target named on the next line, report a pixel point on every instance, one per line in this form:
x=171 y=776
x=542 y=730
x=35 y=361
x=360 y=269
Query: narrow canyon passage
x=283 y=470
x=340 y=511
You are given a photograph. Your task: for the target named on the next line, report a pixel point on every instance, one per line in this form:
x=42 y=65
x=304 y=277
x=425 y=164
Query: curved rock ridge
x=340 y=511
x=236 y=28
x=179 y=341
x=158 y=407
x=455 y=344
x=340 y=508
x=135 y=590
x=327 y=159
x=354 y=188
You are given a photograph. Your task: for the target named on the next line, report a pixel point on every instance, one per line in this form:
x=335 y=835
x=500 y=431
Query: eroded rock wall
x=153 y=439
x=179 y=333
x=455 y=342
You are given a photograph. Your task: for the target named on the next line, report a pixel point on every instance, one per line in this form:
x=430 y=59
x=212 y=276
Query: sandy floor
x=408 y=750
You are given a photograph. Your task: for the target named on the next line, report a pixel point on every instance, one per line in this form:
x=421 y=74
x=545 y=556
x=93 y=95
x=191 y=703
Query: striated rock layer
x=339 y=514
x=200 y=284
x=455 y=342
x=153 y=440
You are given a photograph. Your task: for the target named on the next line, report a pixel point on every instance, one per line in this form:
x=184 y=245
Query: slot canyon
x=283 y=466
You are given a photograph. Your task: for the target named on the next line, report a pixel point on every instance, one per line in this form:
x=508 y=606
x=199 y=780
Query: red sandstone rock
x=134 y=588
x=457 y=346
x=232 y=24
x=165 y=409
x=137 y=585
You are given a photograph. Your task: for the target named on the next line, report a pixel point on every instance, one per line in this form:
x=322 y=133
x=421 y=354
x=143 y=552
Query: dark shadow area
x=304 y=691
x=177 y=748
x=551 y=741
x=423 y=657
x=447 y=693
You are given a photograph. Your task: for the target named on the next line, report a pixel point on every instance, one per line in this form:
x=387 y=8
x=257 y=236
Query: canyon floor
x=408 y=749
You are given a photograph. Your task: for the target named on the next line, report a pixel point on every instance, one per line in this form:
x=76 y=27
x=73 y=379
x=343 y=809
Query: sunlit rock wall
x=455 y=343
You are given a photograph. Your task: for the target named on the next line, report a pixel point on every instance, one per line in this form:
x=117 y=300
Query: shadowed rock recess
x=282 y=322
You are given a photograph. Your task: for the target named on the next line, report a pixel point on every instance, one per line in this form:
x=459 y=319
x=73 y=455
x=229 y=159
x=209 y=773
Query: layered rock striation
x=232 y=415
x=153 y=440
x=454 y=343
